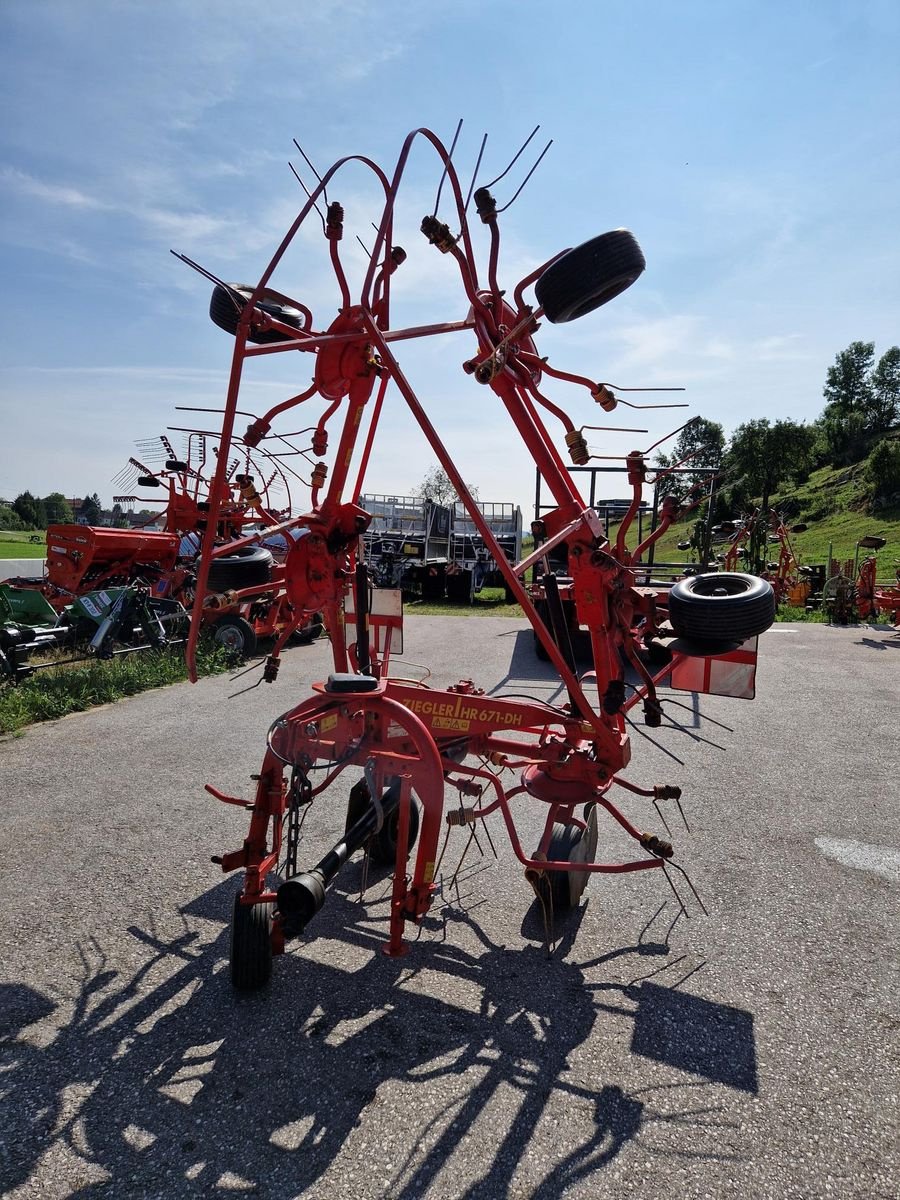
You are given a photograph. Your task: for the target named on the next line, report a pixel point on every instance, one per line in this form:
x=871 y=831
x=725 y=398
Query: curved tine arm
x=262 y=425
x=304 y=213
x=392 y=188
x=525 y=380
x=563 y=489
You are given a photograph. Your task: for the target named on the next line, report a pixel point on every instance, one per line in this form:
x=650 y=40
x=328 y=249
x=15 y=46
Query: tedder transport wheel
x=721 y=607
x=308 y=634
x=560 y=891
x=236 y=635
x=251 y=945
x=227 y=303
x=383 y=847
x=245 y=568
x=590 y=275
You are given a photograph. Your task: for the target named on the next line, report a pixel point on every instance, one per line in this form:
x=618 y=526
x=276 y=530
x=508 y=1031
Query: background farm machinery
x=152 y=573
x=761 y=544
x=98 y=624
x=435 y=551
x=851 y=590
x=395 y=746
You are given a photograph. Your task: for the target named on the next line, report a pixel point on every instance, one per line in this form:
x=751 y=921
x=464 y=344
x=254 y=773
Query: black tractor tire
x=309 y=632
x=250 y=952
x=227 y=304
x=247 y=567
x=721 y=607
x=235 y=635
x=383 y=846
x=560 y=891
x=541 y=610
x=590 y=275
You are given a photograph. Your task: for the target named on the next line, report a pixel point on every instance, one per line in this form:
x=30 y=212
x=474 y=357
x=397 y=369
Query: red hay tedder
x=398 y=744
x=244 y=598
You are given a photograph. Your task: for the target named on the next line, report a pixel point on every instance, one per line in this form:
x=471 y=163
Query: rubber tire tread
x=733 y=618
x=245 y=568
x=247 y=632
x=554 y=885
x=383 y=846
x=222 y=311
x=590 y=275
x=250 y=950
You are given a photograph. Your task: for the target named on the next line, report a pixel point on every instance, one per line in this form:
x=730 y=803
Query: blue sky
x=753 y=148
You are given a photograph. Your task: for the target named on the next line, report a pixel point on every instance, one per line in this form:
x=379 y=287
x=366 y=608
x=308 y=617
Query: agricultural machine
x=395 y=745
x=245 y=598
x=752 y=544
x=99 y=624
x=852 y=592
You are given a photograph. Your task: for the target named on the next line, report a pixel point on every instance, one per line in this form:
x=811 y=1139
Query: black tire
x=383 y=846
x=310 y=632
x=245 y=568
x=560 y=891
x=590 y=275
x=250 y=952
x=236 y=635
x=227 y=303
x=721 y=607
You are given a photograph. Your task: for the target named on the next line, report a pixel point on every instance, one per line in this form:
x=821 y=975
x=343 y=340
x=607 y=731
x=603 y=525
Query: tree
x=886 y=390
x=30 y=511
x=437 y=486
x=91 y=509
x=9 y=518
x=58 y=510
x=702 y=442
x=763 y=456
x=861 y=399
x=847 y=385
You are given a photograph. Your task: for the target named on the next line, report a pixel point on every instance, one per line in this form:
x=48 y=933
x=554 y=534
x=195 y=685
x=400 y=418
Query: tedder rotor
x=397 y=744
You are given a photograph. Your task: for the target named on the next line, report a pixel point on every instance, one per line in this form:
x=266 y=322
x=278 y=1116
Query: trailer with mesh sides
x=431 y=549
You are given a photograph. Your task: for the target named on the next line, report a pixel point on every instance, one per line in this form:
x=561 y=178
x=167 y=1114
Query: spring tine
x=459 y=865
x=693 y=736
x=637 y=729
x=308 y=193
x=702 y=716
x=475 y=173
x=437 y=199
x=683 y=817
x=659 y=813
x=527 y=177
x=512 y=161
x=487 y=831
x=440 y=859
x=476 y=841
x=312 y=168
x=665 y=872
x=690 y=885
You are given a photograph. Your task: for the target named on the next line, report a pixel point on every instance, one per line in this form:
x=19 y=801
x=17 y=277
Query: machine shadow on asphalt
x=169 y=1077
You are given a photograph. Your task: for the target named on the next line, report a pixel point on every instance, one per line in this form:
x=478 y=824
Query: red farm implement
x=754 y=542
x=245 y=598
x=396 y=745
x=852 y=591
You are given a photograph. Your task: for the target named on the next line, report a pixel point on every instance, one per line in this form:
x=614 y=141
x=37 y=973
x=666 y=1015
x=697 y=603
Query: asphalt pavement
x=749 y=1053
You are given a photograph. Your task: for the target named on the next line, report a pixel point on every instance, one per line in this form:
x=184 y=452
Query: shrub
x=883 y=467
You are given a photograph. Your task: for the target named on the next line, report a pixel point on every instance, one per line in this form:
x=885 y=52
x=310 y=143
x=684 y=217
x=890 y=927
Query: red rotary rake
x=400 y=743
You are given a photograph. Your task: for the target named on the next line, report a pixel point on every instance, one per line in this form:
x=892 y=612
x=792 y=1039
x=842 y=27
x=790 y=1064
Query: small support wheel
x=251 y=945
x=235 y=635
x=383 y=847
x=560 y=891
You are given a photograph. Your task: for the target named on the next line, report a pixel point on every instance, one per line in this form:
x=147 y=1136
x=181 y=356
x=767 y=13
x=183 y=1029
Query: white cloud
x=51 y=193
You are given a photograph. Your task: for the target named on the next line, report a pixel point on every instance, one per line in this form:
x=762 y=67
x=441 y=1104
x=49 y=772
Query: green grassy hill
x=835 y=504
